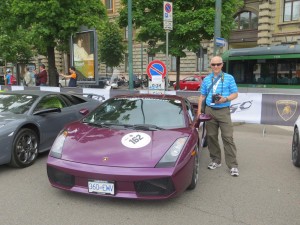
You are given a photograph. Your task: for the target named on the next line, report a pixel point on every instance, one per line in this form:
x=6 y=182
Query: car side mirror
x=84 y=111
x=201 y=118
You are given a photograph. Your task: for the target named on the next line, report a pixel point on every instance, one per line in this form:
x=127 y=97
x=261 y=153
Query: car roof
x=31 y=92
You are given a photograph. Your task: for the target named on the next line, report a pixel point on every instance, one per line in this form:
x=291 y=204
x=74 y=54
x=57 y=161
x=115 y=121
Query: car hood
x=120 y=148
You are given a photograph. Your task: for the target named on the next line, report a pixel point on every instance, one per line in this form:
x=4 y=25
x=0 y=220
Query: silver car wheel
x=25 y=148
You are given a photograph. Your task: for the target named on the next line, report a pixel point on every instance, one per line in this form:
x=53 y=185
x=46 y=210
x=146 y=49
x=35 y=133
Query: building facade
x=258 y=23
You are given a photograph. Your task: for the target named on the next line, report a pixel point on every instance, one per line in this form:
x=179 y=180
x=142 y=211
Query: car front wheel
x=195 y=175
x=295 y=148
x=24 y=149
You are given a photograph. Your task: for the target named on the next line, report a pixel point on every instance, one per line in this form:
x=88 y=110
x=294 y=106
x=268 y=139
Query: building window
x=151 y=57
x=246 y=21
x=202 y=61
x=173 y=63
x=291 y=10
x=109 y=5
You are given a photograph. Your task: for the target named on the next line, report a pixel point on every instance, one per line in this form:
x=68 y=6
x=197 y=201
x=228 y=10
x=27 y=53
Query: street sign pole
x=130 y=58
x=168 y=25
x=167 y=59
x=217 y=28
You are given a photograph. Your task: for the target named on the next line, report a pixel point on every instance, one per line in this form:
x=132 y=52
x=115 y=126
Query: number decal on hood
x=136 y=140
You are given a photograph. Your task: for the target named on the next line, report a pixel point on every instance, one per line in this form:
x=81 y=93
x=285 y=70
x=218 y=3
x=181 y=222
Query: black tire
x=204 y=141
x=24 y=148
x=195 y=175
x=296 y=148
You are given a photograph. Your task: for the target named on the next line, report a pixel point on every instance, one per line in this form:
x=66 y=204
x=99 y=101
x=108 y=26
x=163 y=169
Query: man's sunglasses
x=216 y=64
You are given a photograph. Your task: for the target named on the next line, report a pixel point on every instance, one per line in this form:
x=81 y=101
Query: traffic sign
x=156 y=69
x=168 y=11
x=220 y=42
x=168 y=25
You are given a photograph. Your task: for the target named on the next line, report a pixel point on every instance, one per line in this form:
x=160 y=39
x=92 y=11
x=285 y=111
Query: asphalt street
x=267 y=192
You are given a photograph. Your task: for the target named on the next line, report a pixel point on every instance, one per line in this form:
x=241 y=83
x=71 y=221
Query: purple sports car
x=131 y=146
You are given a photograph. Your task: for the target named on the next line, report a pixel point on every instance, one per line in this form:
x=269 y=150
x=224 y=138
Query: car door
x=51 y=123
x=189 y=83
x=195 y=84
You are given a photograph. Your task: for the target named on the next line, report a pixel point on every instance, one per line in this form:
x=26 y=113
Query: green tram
x=274 y=66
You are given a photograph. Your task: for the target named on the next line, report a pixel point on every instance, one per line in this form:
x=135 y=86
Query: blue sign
x=220 y=42
x=156 y=68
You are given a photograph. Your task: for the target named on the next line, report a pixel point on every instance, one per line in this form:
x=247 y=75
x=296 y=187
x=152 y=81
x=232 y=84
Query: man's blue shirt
x=225 y=87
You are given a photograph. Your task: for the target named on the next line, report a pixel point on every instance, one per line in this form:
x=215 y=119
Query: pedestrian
x=41 y=77
x=72 y=77
x=7 y=77
x=218 y=90
x=28 y=81
x=56 y=76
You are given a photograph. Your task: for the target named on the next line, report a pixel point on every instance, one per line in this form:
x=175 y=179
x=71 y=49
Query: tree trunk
x=52 y=74
x=177 y=72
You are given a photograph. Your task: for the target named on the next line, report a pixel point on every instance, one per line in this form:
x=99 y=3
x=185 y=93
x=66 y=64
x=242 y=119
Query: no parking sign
x=156 y=71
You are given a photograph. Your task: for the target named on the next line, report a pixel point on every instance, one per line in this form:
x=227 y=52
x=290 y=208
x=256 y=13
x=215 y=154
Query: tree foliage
x=45 y=25
x=111 y=47
x=193 y=21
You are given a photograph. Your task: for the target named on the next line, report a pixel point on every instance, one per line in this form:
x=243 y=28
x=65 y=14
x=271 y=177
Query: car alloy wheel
x=25 y=148
x=295 y=148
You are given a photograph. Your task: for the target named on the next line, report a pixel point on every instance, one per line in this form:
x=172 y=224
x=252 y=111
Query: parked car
x=191 y=83
x=296 y=144
x=131 y=146
x=31 y=120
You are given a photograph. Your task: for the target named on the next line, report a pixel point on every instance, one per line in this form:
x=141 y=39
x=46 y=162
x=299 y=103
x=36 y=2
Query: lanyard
x=217 y=81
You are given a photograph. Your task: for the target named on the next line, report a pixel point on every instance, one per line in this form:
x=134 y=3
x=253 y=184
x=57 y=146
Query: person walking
x=72 y=77
x=217 y=90
x=28 y=81
x=7 y=77
x=42 y=76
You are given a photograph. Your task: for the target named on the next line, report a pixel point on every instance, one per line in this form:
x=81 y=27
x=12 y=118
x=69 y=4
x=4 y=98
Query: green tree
x=193 y=21
x=48 y=24
x=111 y=47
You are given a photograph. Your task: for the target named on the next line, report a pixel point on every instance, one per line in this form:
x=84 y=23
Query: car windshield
x=16 y=103
x=139 y=113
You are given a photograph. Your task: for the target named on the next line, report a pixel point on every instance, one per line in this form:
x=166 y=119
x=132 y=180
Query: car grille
x=159 y=187
x=59 y=177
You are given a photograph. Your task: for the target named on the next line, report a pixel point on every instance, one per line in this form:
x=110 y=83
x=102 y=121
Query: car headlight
x=171 y=156
x=56 y=149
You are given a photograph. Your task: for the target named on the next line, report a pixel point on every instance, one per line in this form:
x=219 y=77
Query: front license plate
x=101 y=187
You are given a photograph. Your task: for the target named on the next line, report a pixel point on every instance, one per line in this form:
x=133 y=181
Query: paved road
x=266 y=193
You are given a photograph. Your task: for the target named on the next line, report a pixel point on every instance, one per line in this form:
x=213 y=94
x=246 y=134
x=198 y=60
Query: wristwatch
x=226 y=99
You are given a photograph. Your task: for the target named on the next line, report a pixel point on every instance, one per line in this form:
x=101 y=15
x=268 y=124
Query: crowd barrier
x=260 y=108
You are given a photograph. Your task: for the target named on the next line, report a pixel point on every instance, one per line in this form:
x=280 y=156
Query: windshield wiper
x=145 y=127
x=98 y=124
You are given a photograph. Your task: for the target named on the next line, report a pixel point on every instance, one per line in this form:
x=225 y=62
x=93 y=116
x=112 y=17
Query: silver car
x=31 y=120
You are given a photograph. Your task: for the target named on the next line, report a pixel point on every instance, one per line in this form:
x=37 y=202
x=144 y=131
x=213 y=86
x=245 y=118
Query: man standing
x=42 y=76
x=218 y=89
